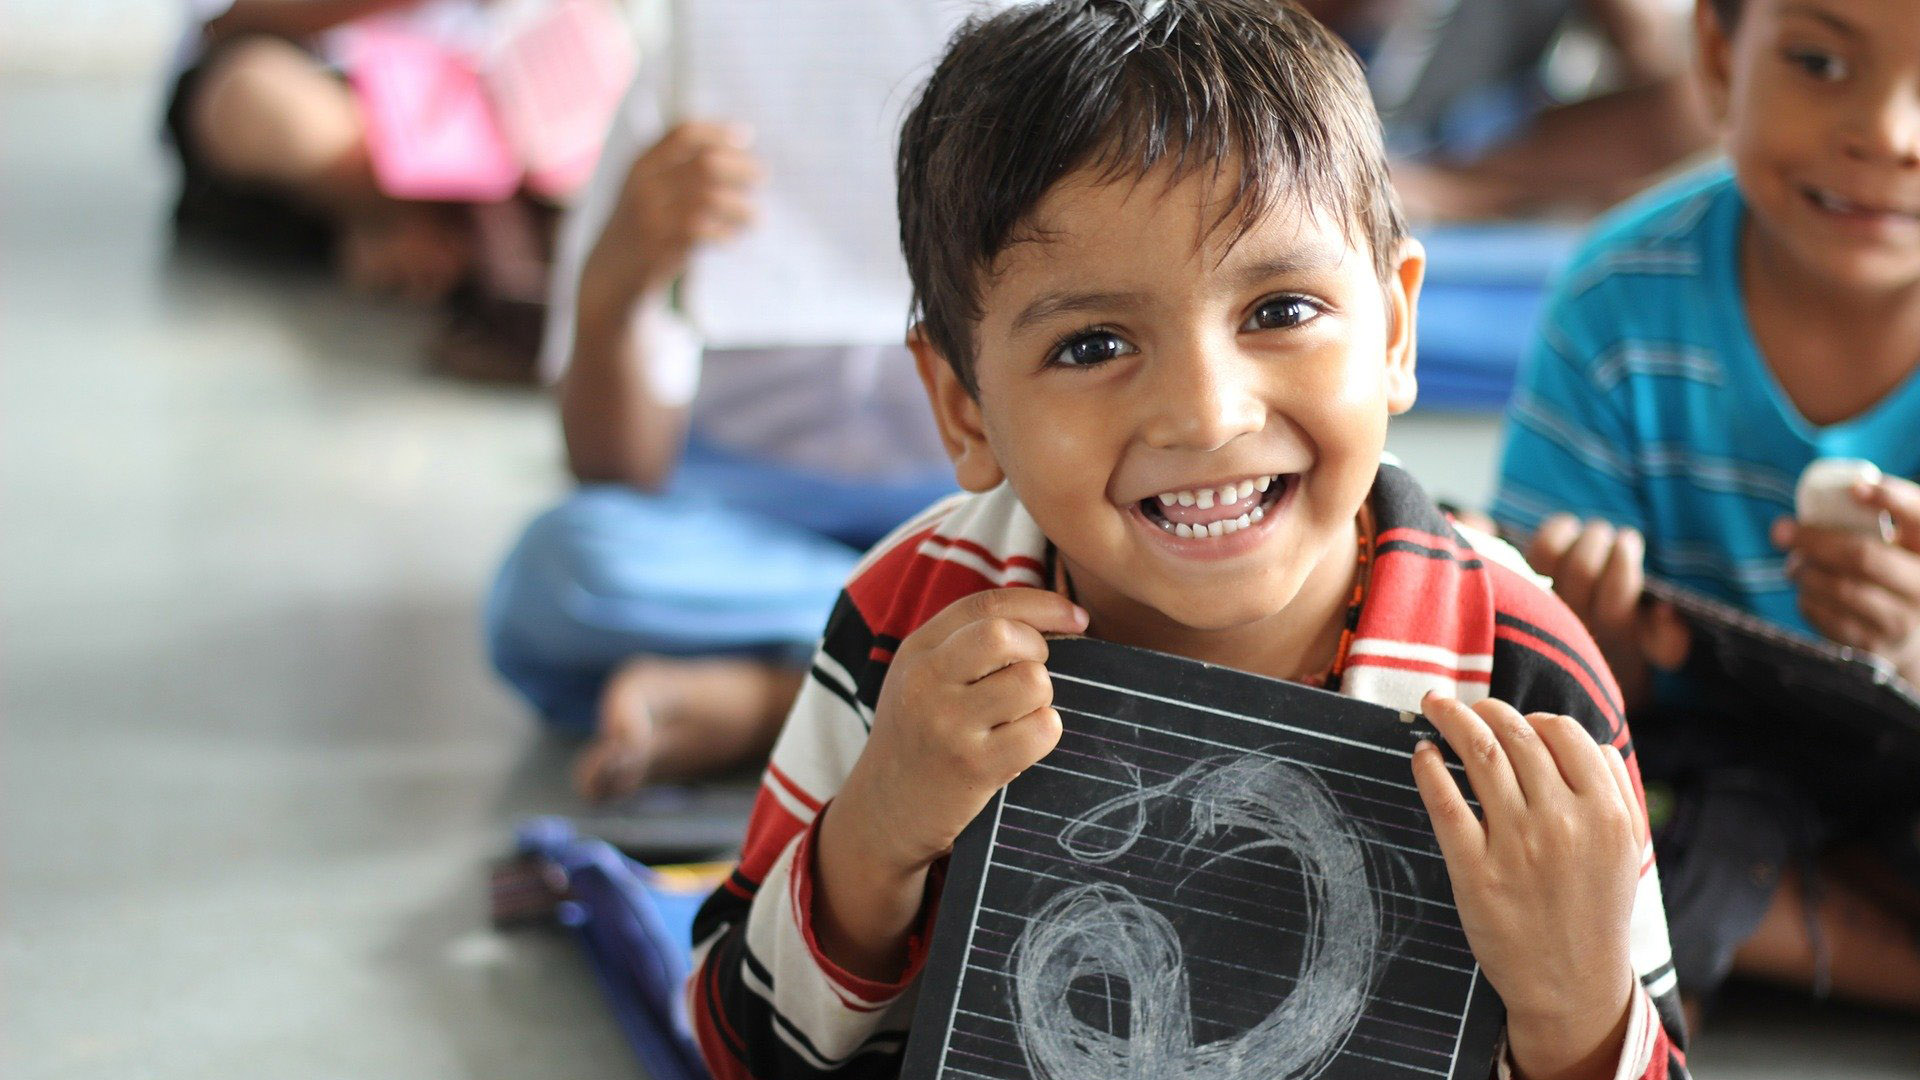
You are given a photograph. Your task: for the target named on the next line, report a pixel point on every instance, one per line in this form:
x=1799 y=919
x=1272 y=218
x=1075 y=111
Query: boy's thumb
x=1900 y=498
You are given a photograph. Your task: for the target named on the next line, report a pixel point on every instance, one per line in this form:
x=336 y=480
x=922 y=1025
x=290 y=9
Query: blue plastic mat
x=1481 y=306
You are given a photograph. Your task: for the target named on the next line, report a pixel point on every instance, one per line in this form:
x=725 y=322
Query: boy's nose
x=1892 y=130
x=1200 y=402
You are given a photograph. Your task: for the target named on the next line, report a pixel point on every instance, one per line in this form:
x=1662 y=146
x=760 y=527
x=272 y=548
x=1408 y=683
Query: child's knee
x=266 y=109
x=567 y=551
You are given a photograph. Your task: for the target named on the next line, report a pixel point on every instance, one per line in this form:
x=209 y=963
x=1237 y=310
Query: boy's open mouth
x=1198 y=513
x=1840 y=206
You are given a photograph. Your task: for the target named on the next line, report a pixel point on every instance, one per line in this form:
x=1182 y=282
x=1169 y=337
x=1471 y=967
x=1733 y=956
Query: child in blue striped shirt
x=1711 y=341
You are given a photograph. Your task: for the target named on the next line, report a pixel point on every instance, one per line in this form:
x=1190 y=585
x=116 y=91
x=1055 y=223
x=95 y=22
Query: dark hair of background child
x=1038 y=92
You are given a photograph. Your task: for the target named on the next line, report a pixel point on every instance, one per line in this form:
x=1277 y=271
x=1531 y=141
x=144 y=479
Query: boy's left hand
x=1860 y=590
x=1544 y=879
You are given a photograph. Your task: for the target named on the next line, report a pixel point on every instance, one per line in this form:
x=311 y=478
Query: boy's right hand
x=693 y=186
x=1598 y=571
x=966 y=707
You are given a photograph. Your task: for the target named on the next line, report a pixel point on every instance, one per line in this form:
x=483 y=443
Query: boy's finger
x=1009 y=694
x=1874 y=608
x=1783 y=532
x=1479 y=750
x=1575 y=754
x=1623 y=785
x=1529 y=758
x=720 y=216
x=1900 y=498
x=1616 y=599
x=1047 y=612
x=1550 y=541
x=689 y=137
x=1665 y=638
x=1580 y=569
x=982 y=648
x=1460 y=833
x=1014 y=747
x=1867 y=558
x=1834 y=622
x=724 y=166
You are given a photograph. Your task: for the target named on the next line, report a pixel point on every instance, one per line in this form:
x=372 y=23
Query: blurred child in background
x=1713 y=340
x=668 y=608
x=273 y=146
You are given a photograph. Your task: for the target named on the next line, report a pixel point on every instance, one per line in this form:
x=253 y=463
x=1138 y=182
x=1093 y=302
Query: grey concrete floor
x=254 y=766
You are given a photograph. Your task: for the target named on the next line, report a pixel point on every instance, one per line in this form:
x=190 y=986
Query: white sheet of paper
x=824 y=85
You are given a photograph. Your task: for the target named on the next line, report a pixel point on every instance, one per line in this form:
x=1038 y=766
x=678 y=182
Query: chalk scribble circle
x=1104 y=931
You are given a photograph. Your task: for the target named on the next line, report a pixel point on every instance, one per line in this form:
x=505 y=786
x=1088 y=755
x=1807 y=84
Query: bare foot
x=668 y=719
x=615 y=762
x=416 y=251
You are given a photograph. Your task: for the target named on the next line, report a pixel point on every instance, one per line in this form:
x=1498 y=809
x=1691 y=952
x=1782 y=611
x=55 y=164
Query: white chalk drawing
x=1270 y=808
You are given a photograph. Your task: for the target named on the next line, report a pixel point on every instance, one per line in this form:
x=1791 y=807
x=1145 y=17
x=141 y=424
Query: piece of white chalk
x=1824 y=497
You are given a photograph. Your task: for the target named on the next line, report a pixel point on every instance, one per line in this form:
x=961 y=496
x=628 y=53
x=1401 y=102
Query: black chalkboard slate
x=1844 y=720
x=1214 y=875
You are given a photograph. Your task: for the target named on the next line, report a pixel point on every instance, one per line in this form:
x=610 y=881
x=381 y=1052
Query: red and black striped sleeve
x=1545 y=661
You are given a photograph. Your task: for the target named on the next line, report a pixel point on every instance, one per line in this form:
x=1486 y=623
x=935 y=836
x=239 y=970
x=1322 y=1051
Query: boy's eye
x=1823 y=66
x=1282 y=312
x=1090 y=348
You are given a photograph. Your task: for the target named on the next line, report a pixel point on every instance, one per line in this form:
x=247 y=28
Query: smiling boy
x=1166 y=304
x=1711 y=342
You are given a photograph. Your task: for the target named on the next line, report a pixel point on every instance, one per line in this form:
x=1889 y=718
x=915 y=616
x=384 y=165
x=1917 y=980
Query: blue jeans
x=736 y=557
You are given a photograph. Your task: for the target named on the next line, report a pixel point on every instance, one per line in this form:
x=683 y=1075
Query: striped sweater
x=1445 y=610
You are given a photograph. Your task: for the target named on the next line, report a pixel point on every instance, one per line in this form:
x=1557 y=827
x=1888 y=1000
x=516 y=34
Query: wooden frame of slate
x=1214 y=875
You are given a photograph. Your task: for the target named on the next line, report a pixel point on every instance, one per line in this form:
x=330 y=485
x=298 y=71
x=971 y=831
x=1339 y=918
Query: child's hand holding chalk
x=1854 y=554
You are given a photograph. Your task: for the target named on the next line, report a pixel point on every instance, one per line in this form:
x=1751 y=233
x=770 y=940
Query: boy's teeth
x=1224 y=495
x=1217 y=528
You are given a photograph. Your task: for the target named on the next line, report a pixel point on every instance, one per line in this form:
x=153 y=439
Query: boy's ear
x=957 y=413
x=1713 y=58
x=1403 y=313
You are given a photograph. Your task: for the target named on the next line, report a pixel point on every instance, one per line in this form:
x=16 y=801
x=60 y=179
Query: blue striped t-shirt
x=1646 y=402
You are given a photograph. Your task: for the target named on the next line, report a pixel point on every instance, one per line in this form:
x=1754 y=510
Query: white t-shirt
x=851 y=410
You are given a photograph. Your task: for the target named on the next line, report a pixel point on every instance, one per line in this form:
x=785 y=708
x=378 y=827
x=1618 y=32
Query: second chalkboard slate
x=1214 y=875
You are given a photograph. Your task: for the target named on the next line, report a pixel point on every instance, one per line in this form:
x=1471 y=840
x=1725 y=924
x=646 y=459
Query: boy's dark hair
x=1039 y=91
x=1728 y=12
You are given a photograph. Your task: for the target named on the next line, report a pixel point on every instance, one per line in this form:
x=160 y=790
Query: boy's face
x=1821 y=103
x=1132 y=360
